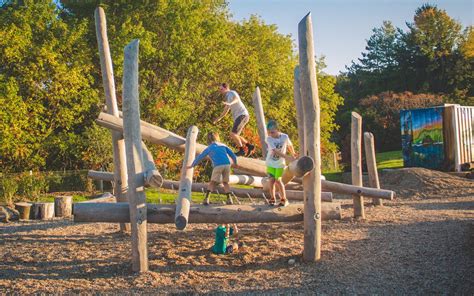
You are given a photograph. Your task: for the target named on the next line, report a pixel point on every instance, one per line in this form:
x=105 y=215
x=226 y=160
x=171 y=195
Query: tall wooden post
x=312 y=181
x=120 y=163
x=183 y=203
x=260 y=116
x=135 y=164
x=356 y=163
x=372 y=165
x=299 y=110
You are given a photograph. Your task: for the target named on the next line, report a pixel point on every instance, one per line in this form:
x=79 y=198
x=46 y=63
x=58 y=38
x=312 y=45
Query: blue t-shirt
x=217 y=152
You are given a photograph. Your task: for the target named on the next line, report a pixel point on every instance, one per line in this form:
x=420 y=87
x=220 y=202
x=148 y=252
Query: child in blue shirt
x=219 y=155
x=221 y=244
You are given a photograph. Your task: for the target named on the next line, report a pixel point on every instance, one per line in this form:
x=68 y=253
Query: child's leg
x=225 y=182
x=271 y=179
x=210 y=188
x=281 y=188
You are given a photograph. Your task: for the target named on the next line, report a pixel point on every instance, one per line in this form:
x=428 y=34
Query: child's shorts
x=275 y=173
x=221 y=173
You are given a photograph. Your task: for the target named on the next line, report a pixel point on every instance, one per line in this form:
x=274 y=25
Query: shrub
x=9 y=187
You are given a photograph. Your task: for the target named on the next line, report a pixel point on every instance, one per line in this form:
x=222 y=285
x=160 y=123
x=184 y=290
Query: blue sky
x=342 y=27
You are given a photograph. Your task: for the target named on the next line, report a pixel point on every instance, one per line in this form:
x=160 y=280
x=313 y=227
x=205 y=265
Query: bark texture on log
x=372 y=165
x=312 y=181
x=63 y=206
x=260 y=116
x=43 y=210
x=356 y=163
x=299 y=110
x=222 y=214
x=183 y=202
x=24 y=210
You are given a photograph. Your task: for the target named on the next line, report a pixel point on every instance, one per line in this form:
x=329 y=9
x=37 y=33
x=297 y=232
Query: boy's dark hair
x=272 y=125
x=212 y=137
x=225 y=85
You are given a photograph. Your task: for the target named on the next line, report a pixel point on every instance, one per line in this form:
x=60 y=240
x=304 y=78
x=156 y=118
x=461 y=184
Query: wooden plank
x=220 y=214
x=312 y=181
x=356 y=163
x=118 y=145
x=135 y=163
x=299 y=110
x=449 y=137
x=260 y=116
x=372 y=165
x=457 y=149
x=183 y=202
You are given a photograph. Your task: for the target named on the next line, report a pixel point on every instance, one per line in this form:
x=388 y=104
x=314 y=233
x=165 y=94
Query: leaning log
x=163 y=137
x=222 y=214
x=245 y=192
x=118 y=145
x=135 y=164
x=372 y=165
x=183 y=202
x=356 y=163
x=299 y=110
x=260 y=116
x=310 y=102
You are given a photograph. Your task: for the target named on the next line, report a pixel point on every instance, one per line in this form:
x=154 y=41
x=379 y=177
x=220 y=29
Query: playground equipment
x=134 y=167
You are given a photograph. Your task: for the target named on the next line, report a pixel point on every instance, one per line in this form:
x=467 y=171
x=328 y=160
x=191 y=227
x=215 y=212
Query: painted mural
x=422 y=137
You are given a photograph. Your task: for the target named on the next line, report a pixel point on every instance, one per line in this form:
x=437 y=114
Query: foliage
x=45 y=94
x=433 y=58
x=8 y=189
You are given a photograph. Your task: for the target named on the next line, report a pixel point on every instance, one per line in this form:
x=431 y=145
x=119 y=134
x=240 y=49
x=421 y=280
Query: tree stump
x=63 y=206
x=24 y=209
x=43 y=210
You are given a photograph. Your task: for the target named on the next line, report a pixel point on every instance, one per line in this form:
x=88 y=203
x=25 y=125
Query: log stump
x=63 y=206
x=24 y=209
x=43 y=210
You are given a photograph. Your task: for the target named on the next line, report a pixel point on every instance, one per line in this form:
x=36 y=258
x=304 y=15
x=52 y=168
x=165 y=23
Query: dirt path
x=406 y=247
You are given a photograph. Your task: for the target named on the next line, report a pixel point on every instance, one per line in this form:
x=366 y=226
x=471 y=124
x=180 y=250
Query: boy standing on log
x=219 y=155
x=240 y=116
x=277 y=143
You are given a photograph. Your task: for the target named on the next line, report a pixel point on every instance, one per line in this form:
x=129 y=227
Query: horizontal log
x=153 y=178
x=222 y=214
x=357 y=190
x=106 y=197
x=245 y=192
x=254 y=181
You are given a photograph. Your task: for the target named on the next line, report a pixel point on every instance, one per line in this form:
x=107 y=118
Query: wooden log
x=63 y=206
x=118 y=145
x=216 y=214
x=253 y=181
x=135 y=163
x=183 y=202
x=43 y=210
x=356 y=163
x=163 y=137
x=260 y=116
x=299 y=110
x=250 y=166
x=297 y=168
x=106 y=197
x=24 y=209
x=312 y=181
x=99 y=175
x=153 y=177
x=372 y=165
x=245 y=192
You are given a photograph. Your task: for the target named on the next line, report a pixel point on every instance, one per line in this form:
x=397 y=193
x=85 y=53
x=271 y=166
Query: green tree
x=45 y=85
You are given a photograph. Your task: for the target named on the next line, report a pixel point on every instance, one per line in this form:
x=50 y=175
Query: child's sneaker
x=283 y=203
x=271 y=202
x=206 y=201
x=250 y=149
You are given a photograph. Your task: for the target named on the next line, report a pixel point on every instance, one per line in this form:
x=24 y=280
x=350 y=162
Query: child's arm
x=291 y=149
x=199 y=158
x=231 y=154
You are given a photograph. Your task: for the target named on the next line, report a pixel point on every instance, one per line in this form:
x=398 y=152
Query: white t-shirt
x=280 y=143
x=237 y=108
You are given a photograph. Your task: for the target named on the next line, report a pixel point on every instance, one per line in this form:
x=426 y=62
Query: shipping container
x=439 y=138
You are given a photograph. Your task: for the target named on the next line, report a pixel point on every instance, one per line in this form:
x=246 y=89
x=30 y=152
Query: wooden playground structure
x=134 y=168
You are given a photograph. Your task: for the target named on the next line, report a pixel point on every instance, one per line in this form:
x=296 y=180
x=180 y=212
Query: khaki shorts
x=221 y=173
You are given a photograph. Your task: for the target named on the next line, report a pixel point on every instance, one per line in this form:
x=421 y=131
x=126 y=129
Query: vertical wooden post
x=183 y=202
x=260 y=116
x=356 y=162
x=120 y=163
x=372 y=165
x=135 y=165
x=312 y=181
x=299 y=110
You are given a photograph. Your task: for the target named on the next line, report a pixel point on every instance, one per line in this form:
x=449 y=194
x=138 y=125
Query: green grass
x=75 y=198
x=168 y=196
x=389 y=160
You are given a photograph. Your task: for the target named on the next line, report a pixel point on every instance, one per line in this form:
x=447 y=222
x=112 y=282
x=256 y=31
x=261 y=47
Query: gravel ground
x=409 y=246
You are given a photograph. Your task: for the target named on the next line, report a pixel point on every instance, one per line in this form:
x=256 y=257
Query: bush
x=9 y=187
x=32 y=185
